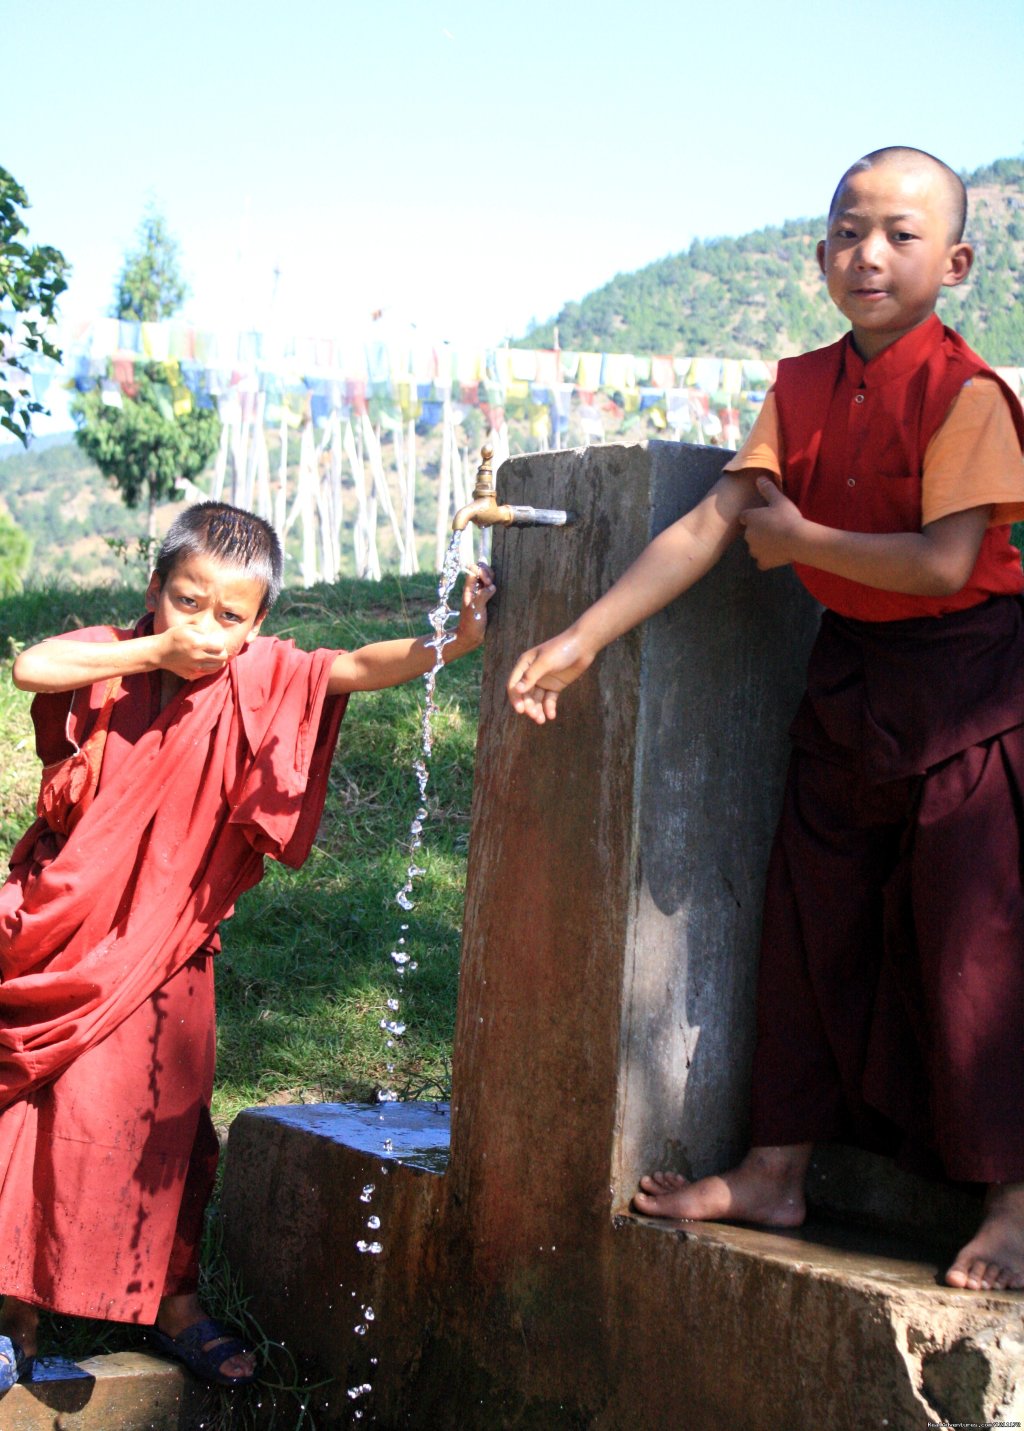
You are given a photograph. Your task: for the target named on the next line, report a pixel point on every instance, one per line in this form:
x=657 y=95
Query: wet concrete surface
x=417 y=1135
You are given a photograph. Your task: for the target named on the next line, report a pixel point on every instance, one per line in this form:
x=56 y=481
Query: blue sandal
x=189 y=1347
x=15 y=1365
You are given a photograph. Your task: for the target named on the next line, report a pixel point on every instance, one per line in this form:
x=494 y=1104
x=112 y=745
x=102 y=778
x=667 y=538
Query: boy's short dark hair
x=956 y=190
x=231 y=535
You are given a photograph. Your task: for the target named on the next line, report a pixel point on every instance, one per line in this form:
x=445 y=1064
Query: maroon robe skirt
x=891 y=986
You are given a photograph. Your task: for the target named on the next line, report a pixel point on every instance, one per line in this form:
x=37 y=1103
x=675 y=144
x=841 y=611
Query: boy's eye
x=902 y=236
x=231 y=616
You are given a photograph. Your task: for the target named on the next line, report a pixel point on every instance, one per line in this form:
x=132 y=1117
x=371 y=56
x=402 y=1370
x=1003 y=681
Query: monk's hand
x=542 y=673
x=477 y=590
x=193 y=651
x=772 y=532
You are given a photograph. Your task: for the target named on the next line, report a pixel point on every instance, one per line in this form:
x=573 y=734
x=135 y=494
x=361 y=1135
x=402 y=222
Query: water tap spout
x=485 y=511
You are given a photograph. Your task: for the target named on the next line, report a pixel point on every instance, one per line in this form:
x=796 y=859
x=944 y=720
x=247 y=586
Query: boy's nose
x=868 y=251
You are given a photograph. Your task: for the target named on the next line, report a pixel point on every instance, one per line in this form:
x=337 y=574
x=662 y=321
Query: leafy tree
x=142 y=444
x=15 y=550
x=150 y=286
x=31 y=281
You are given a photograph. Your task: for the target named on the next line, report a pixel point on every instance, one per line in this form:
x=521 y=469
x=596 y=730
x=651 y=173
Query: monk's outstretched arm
x=392 y=663
x=676 y=559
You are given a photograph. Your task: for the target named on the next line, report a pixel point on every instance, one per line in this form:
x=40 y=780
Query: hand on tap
x=477 y=590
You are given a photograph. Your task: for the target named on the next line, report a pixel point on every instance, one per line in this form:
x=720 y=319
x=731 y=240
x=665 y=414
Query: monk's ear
x=958 y=266
x=820 y=251
x=153 y=591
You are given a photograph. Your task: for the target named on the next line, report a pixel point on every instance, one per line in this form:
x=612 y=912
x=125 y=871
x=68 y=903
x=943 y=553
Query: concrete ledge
x=294 y=1211
x=122 y=1391
x=823 y=1327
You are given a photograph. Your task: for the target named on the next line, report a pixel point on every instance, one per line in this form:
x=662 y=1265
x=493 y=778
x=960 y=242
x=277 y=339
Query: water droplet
x=374 y=1222
x=373 y=1247
x=403 y=899
x=369 y=1313
x=386 y=1095
x=400 y=957
x=360 y=1329
x=413 y=964
x=393 y=1004
x=388 y=1146
x=392 y=1026
x=367 y=1192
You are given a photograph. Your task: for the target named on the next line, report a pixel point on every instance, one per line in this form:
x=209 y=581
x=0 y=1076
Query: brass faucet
x=484 y=509
x=485 y=512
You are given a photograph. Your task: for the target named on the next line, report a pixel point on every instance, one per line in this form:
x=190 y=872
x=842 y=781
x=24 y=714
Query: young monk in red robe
x=177 y=756
x=885 y=469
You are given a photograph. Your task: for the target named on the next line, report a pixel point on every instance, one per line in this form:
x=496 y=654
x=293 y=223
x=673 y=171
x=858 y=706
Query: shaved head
x=915 y=160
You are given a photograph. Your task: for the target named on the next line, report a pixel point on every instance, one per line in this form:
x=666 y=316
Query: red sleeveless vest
x=854 y=436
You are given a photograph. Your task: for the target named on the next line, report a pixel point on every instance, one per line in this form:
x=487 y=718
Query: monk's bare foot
x=20 y=1321
x=178 y=1313
x=767 y=1187
x=993 y=1260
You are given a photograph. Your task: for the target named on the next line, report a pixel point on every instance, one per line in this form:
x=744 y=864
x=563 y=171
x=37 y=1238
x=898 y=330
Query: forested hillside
x=66 y=508
x=761 y=296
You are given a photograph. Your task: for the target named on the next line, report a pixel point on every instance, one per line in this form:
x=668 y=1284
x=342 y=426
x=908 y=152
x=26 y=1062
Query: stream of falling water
x=392 y=1023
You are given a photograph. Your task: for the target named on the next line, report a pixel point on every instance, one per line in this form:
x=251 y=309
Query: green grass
x=305 y=976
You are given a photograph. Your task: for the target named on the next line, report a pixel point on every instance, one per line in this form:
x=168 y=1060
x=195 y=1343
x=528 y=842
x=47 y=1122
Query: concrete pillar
x=617 y=857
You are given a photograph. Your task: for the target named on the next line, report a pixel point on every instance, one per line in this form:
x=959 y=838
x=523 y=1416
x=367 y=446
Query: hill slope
x=761 y=295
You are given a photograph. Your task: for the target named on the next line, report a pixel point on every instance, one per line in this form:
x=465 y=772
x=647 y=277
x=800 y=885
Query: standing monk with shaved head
x=886 y=470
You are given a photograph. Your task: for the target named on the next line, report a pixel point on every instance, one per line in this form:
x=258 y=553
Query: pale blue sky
x=466 y=165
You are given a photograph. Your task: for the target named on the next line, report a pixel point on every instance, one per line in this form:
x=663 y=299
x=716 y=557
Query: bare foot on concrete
x=993 y=1260
x=766 y=1188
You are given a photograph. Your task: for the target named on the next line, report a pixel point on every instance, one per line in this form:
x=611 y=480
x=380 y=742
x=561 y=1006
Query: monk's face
x=890 y=251
x=202 y=591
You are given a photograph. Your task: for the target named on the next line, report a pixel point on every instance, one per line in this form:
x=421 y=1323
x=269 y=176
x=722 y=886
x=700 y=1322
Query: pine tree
x=142 y=444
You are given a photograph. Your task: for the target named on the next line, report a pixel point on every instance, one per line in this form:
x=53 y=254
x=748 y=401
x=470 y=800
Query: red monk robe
x=106 y=1000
